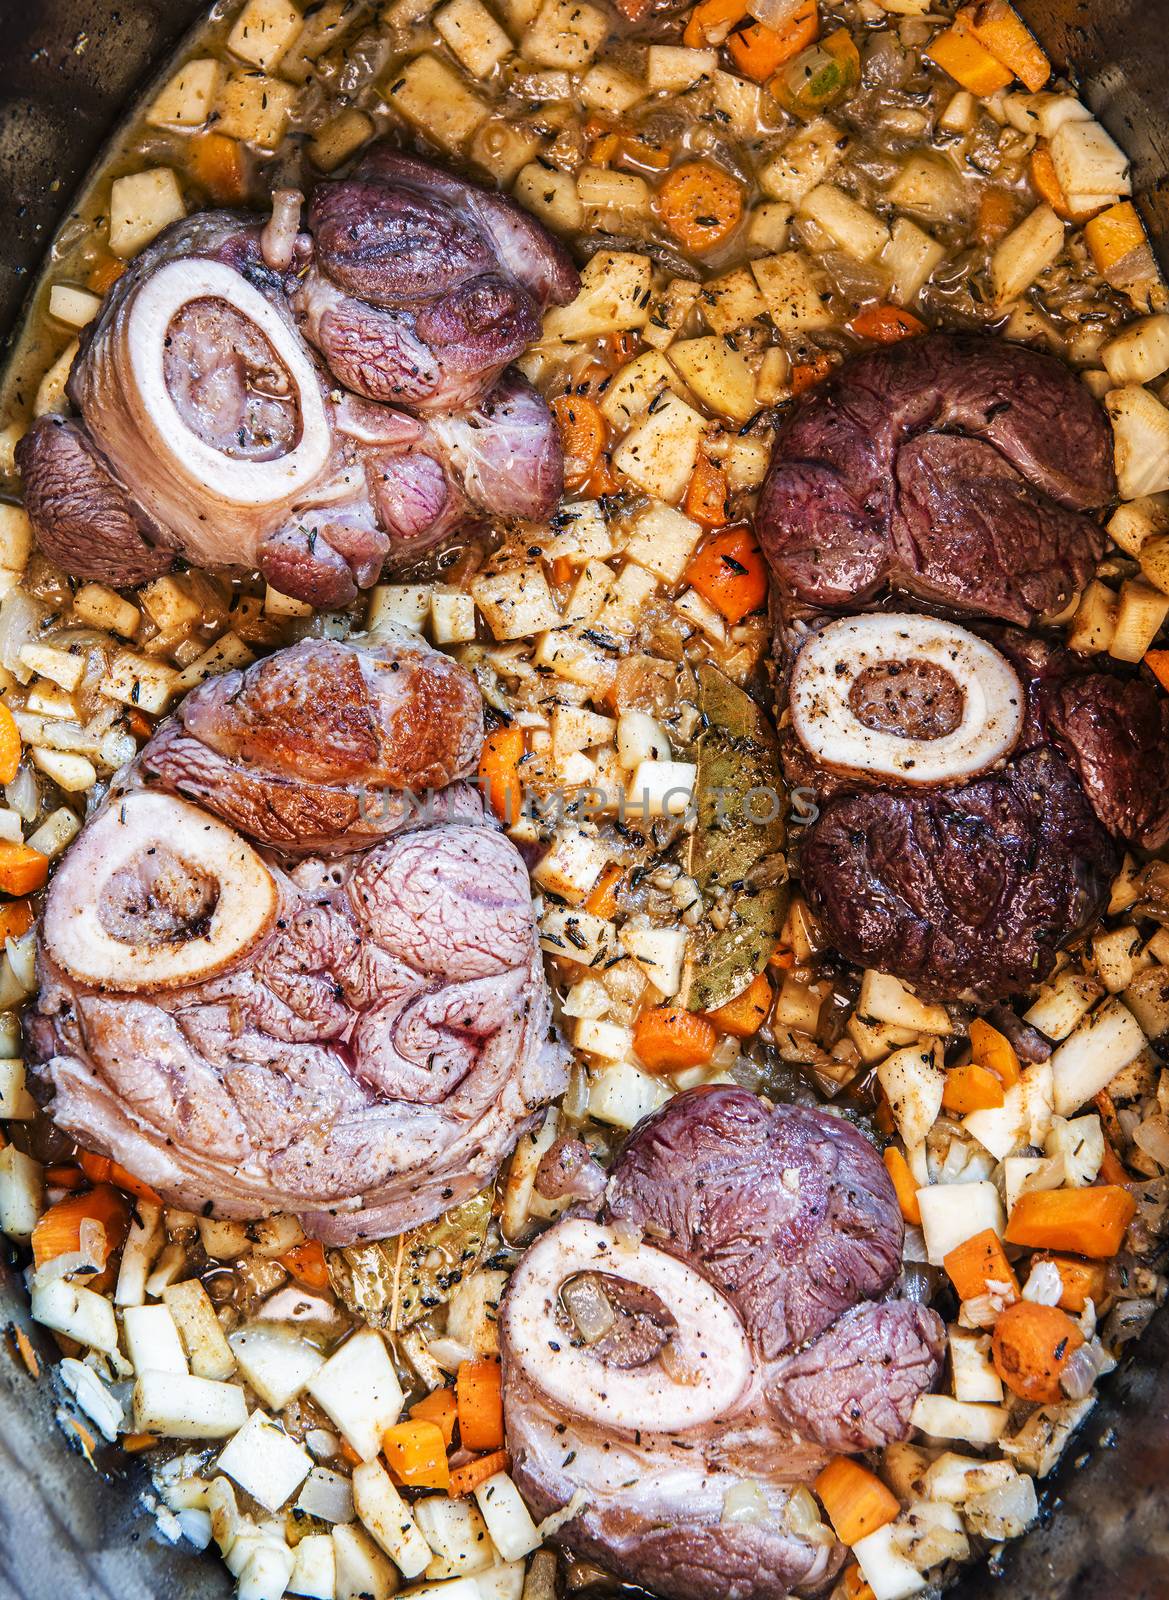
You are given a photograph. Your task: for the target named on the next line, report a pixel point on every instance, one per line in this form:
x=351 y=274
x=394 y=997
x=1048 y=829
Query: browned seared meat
x=425 y=286
x=323 y=748
x=966 y=890
x=360 y=1041
x=706 y=1337
x=1115 y=733
x=954 y=468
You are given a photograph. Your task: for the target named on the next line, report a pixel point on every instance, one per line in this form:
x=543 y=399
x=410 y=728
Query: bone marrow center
x=230 y=386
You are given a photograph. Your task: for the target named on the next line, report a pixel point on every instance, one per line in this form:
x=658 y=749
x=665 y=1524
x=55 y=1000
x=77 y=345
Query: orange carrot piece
x=1112 y=1168
x=904 y=1184
x=668 y=1039
x=479 y=1401
x=469 y=1476
x=996 y=215
x=971 y=1088
x=1084 y=1222
x=978 y=1262
x=1045 y=180
x=706 y=494
x=855 y=1587
x=638 y=151
x=16 y=917
x=758 y=51
x=886 y=324
x=730 y=572
x=743 y=1016
x=999 y=28
x=216 y=164
x=100 y=1169
x=1030 y=1346
x=992 y=1049
x=1082 y=1281
x=603 y=148
x=602 y=897
x=134 y=1443
x=503 y=750
x=700 y=204
x=856 y=1500
x=1157 y=662
x=307 y=1264
x=105 y=274
x=711 y=21
x=27 y=1353
x=59 y=1230
x=416 y=1452
x=22 y=869
x=438 y=1407
x=807 y=374
x=65 y=1178
x=10 y=746
x=583 y=433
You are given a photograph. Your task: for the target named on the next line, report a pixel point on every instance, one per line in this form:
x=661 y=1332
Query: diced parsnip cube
x=59 y=666
x=473 y=36
x=283 y=605
x=398 y=605
x=142 y=204
x=663 y=541
x=1117 y=956
x=1026 y=251
x=929 y=185
x=959 y=113
x=622 y=1094
x=15 y=1101
x=601 y=189
x=1088 y=1060
x=634 y=387
x=1095 y=620
x=640 y=738
x=265 y=1462
x=659 y=456
x=254 y=108
x=266 y=1572
x=508 y=1519
x=456 y=1533
x=21 y=1193
x=325 y=24
x=718 y=376
x=362 y=1571
x=886 y=1572
x=943 y=1418
x=590 y=592
x=452 y=615
x=551 y=196
x=103 y=608
x=222 y=1239
x=339 y=138
x=565 y=33
x=572 y=865
x=358 y=1390
x=1063 y=1003
x=1078 y=1146
x=180 y=1407
x=15 y=538
x=72 y=773
x=1024 y=1117
x=610 y=91
x=574 y=728
x=78 y=1313
x=277 y=1364
x=143 y=1243
x=951 y=1213
x=974 y=1375
x=516 y=604
x=614 y=291
x=808 y=158
x=503 y=148
x=913 y=1081
x=673 y=68
x=607 y=1041
x=744 y=105
x=436 y=100
x=1140 y=438
x=1088 y=161
x=189 y=97
x=668 y=313
x=228 y=652
x=954 y=1478
x=797 y=299
x=730 y=302
x=327 y=1495
x=1141 y=612
x=314 y=1568
x=910 y=257
x=264 y=31
x=578 y=935
x=473 y=1312
x=886 y=999
x=1139 y=352
x=767 y=229
x=702 y=614
x=659 y=952
x=152 y=1340
x=51 y=398
x=563 y=652
x=76 y=308
x=661 y=788
x=203 y=1338
x=138 y=681
x=387 y=1517
x=56 y=833
x=849 y=224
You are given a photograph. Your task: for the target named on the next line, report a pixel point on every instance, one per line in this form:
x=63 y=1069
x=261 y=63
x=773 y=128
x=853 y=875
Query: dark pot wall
x=66 y=69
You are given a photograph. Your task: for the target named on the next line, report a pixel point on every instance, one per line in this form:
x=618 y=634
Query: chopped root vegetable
x=440 y=1408
x=904 y=1185
x=999 y=27
x=216 y=163
x=700 y=204
x=743 y=1016
x=16 y=917
x=583 y=433
x=22 y=869
x=1030 y=1346
x=996 y=216
x=668 y=1039
x=10 y=747
x=990 y=1048
x=1045 y=181
x=306 y=1263
x=807 y=374
x=602 y=897
x=972 y=1088
x=415 y=1452
x=1157 y=662
x=886 y=324
x=479 y=1401
x=135 y=1443
x=467 y=1478
x=706 y=494
x=968 y=61
x=758 y=51
x=58 y=1232
x=711 y=21
x=1082 y=1281
x=100 y=1169
x=1086 y=1222
x=729 y=572
x=499 y=777
x=857 y=1502
x=1114 y=234
x=978 y=1262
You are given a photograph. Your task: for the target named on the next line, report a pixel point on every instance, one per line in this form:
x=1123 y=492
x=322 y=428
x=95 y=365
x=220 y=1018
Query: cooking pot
x=68 y=1532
